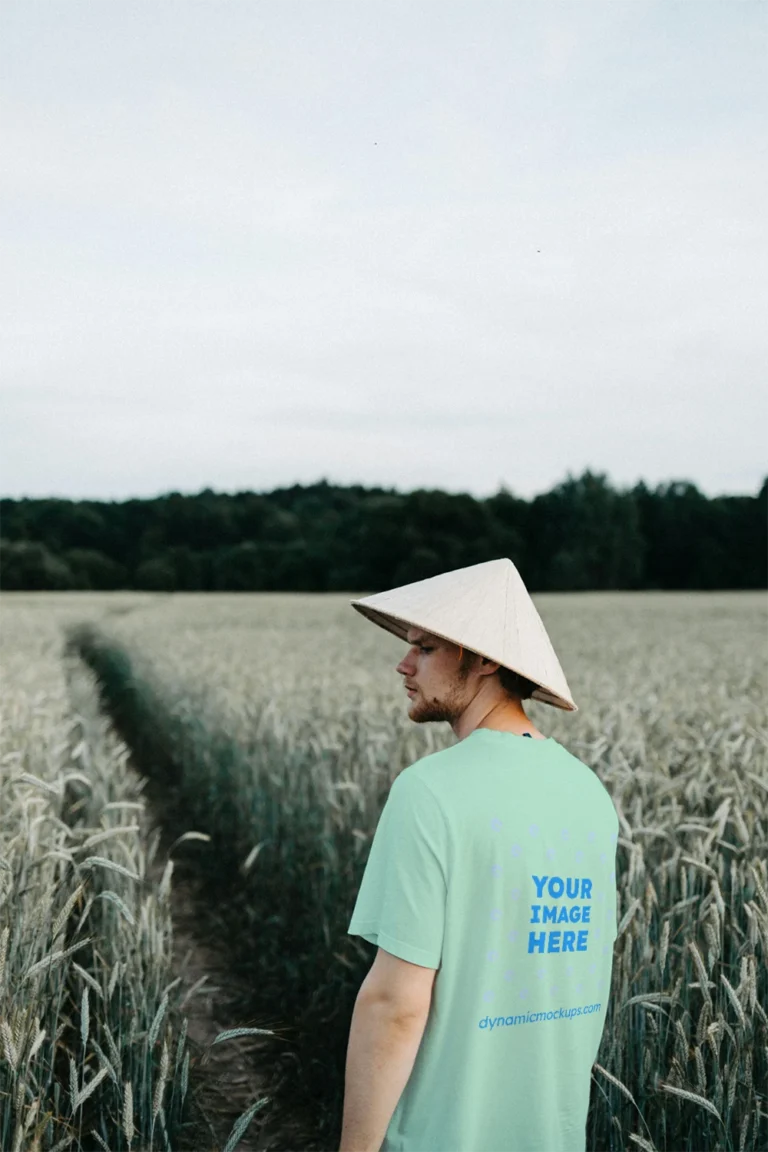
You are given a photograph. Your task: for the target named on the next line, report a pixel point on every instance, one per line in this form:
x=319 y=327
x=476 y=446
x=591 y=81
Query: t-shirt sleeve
x=401 y=902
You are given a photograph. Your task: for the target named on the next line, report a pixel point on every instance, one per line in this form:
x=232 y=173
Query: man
x=489 y=891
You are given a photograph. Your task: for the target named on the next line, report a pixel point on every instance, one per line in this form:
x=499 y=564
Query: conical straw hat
x=486 y=608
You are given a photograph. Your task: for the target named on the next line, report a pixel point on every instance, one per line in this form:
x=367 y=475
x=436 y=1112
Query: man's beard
x=449 y=708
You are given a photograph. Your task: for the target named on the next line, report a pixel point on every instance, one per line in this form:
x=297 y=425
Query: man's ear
x=488 y=667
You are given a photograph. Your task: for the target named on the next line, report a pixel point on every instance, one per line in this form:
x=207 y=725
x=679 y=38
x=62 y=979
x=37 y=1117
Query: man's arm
x=388 y=1023
x=380 y=1056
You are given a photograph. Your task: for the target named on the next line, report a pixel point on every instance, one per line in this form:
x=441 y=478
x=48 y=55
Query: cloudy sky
x=402 y=242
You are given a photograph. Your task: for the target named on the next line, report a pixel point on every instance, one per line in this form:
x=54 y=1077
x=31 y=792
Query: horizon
x=389 y=489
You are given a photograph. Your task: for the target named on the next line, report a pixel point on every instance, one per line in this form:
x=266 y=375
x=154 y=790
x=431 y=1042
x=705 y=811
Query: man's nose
x=404 y=666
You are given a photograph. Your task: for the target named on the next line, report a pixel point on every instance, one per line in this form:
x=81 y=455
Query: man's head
x=447 y=678
x=489 y=606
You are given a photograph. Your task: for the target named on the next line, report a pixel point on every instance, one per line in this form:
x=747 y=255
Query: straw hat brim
x=399 y=626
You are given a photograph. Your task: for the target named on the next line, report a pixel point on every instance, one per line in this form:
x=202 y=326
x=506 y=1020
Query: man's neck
x=501 y=716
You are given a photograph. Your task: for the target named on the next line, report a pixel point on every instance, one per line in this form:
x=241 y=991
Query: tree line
x=582 y=535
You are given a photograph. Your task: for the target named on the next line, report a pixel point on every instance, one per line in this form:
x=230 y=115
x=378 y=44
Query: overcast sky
x=416 y=244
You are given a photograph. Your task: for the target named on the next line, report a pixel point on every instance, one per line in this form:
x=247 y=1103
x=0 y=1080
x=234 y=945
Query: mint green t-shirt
x=494 y=862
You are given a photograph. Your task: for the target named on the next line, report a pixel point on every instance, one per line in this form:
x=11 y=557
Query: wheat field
x=280 y=723
x=93 y=1051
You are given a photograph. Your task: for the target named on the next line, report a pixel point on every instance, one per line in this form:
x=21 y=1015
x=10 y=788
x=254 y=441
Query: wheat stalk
x=692 y=1096
x=128 y=1128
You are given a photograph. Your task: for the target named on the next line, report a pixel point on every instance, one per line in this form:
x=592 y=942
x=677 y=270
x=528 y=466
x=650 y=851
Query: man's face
x=432 y=667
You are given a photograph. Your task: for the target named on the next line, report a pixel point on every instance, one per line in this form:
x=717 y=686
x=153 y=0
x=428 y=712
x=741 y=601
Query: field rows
x=277 y=724
x=93 y=1050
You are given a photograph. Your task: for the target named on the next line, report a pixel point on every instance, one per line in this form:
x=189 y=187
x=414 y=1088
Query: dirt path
x=226 y=1078
x=223 y=1076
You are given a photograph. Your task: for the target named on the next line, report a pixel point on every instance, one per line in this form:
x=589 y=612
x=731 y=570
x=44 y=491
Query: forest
x=582 y=535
